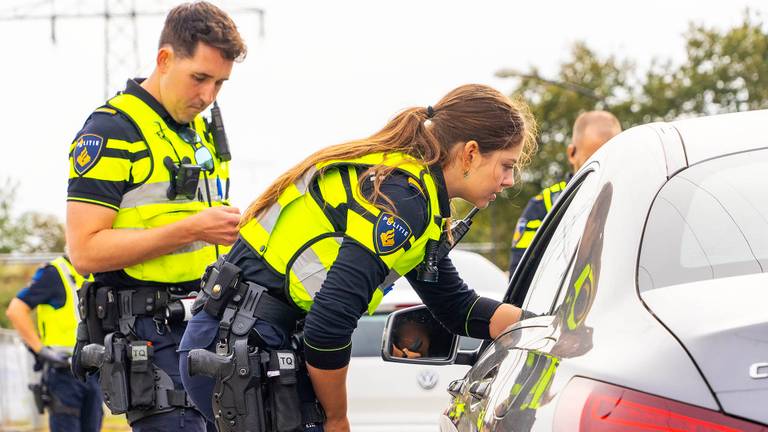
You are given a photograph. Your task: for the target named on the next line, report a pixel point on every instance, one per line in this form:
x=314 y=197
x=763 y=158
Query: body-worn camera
x=185 y=178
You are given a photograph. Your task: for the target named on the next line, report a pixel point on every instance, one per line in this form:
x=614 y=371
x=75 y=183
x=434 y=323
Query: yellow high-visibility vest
x=299 y=240
x=58 y=327
x=148 y=206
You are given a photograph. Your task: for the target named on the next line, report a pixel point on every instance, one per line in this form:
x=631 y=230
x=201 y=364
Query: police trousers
x=75 y=406
x=165 y=342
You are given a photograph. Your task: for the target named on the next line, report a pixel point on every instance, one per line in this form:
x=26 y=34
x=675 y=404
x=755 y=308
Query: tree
x=10 y=237
x=724 y=71
x=32 y=231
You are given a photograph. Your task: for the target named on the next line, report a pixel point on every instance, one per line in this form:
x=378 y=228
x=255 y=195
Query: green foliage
x=724 y=71
x=32 y=231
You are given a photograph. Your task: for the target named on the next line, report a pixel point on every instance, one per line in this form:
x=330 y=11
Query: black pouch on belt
x=283 y=393
x=142 y=376
x=93 y=332
x=106 y=308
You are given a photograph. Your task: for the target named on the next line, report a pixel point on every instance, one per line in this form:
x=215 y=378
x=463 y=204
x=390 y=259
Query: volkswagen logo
x=427 y=379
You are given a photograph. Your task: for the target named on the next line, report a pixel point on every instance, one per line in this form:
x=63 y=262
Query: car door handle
x=454 y=388
x=480 y=389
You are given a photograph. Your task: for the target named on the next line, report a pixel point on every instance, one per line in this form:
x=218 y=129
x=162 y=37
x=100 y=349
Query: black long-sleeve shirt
x=353 y=277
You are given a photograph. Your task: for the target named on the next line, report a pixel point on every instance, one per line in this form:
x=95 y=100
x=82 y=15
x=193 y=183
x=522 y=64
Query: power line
x=120 y=17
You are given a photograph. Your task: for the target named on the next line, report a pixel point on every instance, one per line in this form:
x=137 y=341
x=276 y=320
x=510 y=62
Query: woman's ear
x=470 y=153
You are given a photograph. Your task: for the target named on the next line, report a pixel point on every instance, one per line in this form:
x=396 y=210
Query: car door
x=508 y=382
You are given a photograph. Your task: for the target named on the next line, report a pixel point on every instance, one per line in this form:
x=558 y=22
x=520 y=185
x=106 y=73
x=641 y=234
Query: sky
x=322 y=73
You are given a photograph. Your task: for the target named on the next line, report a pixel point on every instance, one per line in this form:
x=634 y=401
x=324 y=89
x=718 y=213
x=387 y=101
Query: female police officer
x=330 y=235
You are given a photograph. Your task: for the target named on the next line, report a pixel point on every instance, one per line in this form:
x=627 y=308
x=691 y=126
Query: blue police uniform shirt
x=351 y=281
x=46 y=287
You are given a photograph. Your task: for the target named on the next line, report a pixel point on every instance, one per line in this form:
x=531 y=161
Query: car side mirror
x=413 y=335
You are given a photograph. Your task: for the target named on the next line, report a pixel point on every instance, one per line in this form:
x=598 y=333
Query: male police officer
x=147 y=212
x=591 y=130
x=72 y=405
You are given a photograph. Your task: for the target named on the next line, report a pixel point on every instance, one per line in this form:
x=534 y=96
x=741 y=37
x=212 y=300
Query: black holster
x=238 y=395
x=113 y=376
x=255 y=391
x=41 y=396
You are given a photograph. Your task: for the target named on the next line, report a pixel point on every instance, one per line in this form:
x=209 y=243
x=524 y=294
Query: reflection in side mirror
x=413 y=335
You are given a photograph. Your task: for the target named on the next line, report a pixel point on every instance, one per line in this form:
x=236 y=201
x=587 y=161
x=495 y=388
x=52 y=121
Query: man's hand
x=404 y=353
x=336 y=425
x=53 y=357
x=217 y=225
x=93 y=241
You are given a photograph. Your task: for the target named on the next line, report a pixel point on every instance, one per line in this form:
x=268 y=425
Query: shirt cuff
x=327 y=358
x=479 y=317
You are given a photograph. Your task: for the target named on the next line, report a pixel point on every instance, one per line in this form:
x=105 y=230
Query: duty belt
x=238 y=304
x=146 y=301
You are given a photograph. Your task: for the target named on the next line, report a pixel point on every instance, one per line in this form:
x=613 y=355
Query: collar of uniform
x=133 y=87
x=442 y=191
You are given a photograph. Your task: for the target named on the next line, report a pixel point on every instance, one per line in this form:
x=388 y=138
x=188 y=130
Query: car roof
x=708 y=137
x=478 y=272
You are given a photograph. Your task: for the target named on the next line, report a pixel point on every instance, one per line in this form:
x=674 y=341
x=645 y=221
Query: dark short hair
x=190 y=23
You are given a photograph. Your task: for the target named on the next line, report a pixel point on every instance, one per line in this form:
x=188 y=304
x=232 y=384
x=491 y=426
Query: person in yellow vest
x=326 y=241
x=72 y=405
x=148 y=210
x=591 y=130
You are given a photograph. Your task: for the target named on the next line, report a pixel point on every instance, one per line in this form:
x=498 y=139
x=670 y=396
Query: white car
x=399 y=397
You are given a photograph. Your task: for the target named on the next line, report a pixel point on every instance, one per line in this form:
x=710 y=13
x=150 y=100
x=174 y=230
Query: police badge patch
x=87 y=151
x=390 y=233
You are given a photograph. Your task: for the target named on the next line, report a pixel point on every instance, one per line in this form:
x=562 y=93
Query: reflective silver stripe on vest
x=268 y=218
x=157 y=193
x=303 y=183
x=192 y=247
x=310 y=270
x=392 y=276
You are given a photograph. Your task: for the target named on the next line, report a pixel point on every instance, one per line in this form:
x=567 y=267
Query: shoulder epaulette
x=106 y=110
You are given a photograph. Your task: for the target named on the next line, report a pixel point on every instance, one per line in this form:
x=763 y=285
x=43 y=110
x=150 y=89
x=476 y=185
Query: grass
x=111 y=423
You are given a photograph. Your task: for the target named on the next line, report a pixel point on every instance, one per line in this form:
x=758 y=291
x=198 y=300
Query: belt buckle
x=222 y=348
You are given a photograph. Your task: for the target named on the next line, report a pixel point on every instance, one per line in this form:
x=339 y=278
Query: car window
x=366 y=339
x=709 y=221
x=556 y=259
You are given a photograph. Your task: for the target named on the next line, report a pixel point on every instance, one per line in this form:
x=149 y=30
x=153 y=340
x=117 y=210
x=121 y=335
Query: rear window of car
x=366 y=339
x=709 y=221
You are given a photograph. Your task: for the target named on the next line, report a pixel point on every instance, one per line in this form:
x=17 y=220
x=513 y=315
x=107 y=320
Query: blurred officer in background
x=147 y=211
x=72 y=405
x=591 y=130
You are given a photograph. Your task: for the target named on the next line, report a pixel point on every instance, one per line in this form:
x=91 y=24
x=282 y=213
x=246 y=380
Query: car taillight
x=588 y=405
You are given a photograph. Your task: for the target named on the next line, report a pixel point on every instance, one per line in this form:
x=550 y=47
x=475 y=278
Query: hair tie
x=430 y=111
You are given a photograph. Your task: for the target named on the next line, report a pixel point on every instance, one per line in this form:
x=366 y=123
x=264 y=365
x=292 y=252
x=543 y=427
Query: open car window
x=536 y=286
